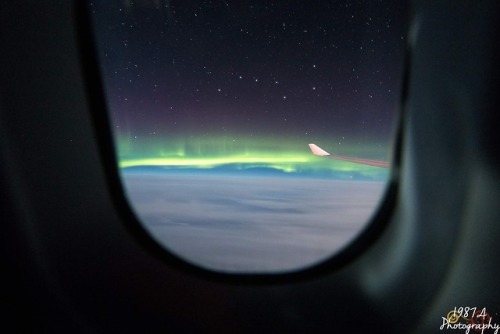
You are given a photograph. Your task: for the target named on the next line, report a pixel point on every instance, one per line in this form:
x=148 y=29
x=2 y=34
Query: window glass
x=213 y=105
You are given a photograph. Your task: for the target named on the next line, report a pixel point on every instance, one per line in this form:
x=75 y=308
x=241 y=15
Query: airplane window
x=252 y=136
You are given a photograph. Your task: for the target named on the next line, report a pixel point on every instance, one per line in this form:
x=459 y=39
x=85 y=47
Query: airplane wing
x=316 y=150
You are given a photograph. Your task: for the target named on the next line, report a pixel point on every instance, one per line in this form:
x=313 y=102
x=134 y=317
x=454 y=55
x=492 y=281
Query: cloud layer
x=251 y=224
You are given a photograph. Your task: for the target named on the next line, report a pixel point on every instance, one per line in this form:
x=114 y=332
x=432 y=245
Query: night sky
x=211 y=83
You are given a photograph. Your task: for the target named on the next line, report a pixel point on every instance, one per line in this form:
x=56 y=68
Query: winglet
x=316 y=150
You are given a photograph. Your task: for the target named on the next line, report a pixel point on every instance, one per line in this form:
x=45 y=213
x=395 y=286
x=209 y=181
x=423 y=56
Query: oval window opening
x=252 y=137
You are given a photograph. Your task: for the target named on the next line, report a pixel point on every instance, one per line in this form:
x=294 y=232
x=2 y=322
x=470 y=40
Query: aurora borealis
x=243 y=157
x=247 y=85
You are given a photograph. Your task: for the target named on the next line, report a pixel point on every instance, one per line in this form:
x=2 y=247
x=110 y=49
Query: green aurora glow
x=290 y=156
